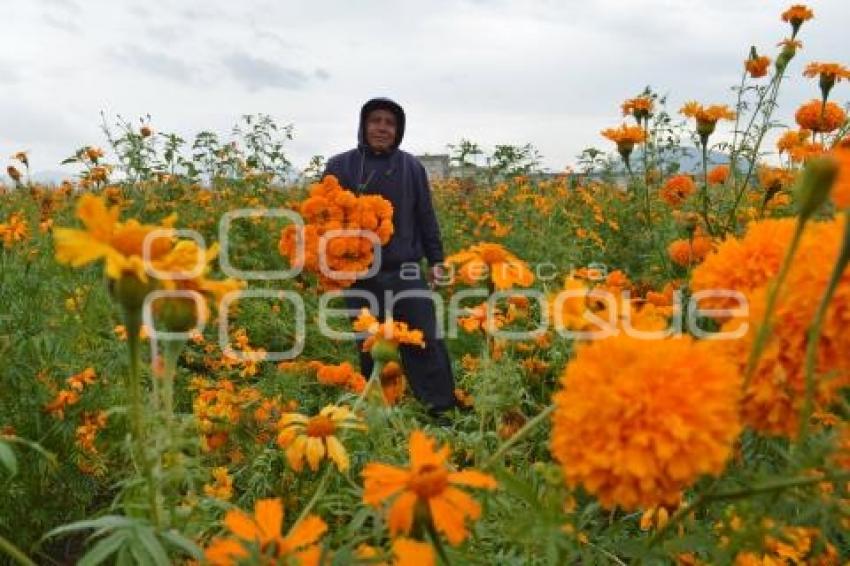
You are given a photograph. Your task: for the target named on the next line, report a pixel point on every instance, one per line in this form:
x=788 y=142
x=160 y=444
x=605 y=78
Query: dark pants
x=428 y=370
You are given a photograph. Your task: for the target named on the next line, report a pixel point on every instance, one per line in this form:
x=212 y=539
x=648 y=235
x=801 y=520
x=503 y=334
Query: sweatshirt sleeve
x=429 y=228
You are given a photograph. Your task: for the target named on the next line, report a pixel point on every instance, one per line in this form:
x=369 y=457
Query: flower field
x=652 y=363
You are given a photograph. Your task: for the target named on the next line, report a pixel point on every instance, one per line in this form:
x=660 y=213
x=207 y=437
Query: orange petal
x=448 y=520
x=269 y=515
x=306 y=532
x=382 y=481
x=401 y=513
x=473 y=478
x=241 y=524
x=461 y=501
x=422 y=451
x=408 y=552
x=224 y=552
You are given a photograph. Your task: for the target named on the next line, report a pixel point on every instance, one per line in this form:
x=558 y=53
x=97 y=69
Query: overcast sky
x=552 y=73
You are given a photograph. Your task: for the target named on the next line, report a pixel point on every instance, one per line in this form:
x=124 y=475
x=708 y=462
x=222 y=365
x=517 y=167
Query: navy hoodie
x=401 y=179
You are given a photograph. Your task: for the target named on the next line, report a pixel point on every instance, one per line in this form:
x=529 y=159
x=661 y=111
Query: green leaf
x=153 y=546
x=104 y=549
x=7 y=458
x=179 y=541
x=108 y=522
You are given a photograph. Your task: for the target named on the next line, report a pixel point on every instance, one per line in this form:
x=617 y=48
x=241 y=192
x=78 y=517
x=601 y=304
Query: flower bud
x=130 y=291
x=813 y=188
x=178 y=314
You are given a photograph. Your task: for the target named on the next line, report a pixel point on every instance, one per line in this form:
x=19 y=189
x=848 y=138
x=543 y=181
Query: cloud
x=60 y=23
x=255 y=73
x=155 y=63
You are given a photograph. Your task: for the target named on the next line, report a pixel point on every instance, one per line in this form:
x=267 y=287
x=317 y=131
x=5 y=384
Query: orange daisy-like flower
x=718 y=174
x=806 y=151
x=314 y=438
x=480 y=318
x=774 y=179
x=796 y=15
x=260 y=533
x=426 y=488
x=757 y=66
x=15 y=230
x=774 y=396
x=832 y=71
x=487 y=260
x=706 y=116
x=639 y=107
x=638 y=421
x=791 y=139
x=816 y=117
x=385 y=337
x=625 y=137
x=677 y=189
x=342 y=374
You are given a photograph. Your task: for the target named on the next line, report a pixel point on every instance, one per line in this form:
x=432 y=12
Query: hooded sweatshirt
x=401 y=179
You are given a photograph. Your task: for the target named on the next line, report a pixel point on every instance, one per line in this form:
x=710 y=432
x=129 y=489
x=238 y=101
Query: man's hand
x=437 y=273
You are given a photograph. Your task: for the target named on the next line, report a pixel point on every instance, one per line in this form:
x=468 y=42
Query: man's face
x=380 y=130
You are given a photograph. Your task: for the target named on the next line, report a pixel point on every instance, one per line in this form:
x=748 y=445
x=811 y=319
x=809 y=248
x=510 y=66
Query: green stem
x=132 y=319
x=14 y=553
x=520 y=434
x=320 y=491
x=435 y=539
x=816 y=327
x=772 y=294
x=704 y=195
x=733 y=154
x=773 y=89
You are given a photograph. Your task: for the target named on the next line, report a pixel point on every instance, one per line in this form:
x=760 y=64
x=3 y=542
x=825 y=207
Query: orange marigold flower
x=806 y=151
x=796 y=15
x=639 y=107
x=792 y=44
x=482 y=318
x=343 y=375
x=62 y=400
x=816 y=117
x=718 y=174
x=638 y=421
x=260 y=534
x=677 y=189
x=773 y=399
x=425 y=490
x=625 y=137
x=221 y=486
x=833 y=71
x=791 y=139
x=491 y=261
x=690 y=252
x=774 y=179
x=385 y=337
x=392 y=382
x=79 y=381
x=757 y=66
x=744 y=264
x=707 y=116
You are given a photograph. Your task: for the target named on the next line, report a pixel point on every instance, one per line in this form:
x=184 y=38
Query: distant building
x=437 y=166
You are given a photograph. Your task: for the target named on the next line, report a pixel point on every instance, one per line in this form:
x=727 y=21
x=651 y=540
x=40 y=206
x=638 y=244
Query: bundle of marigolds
x=339 y=233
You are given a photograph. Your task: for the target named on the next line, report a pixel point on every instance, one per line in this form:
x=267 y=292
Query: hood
x=386 y=104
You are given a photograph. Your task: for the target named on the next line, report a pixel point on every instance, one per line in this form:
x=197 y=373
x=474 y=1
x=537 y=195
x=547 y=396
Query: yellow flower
x=222 y=486
x=504 y=268
x=106 y=238
x=315 y=437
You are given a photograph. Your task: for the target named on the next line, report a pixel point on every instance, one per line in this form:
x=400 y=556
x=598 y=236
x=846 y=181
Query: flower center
x=320 y=427
x=429 y=481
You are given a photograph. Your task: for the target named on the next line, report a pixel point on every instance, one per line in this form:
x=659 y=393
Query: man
x=378 y=166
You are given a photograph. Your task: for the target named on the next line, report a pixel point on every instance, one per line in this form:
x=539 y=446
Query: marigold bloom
x=315 y=437
x=14 y=230
x=638 y=421
x=828 y=74
x=773 y=399
x=757 y=66
x=625 y=137
x=343 y=375
x=805 y=151
x=677 y=189
x=221 y=486
x=481 y=318
x=718 y=174
x=392 y=382
x=639 y=107
x=796 y=15
x=774 y=179
x=689 y=252
x=260 y=532
x=816 y=117
x=706 y=116
x=426 y=487
x=485 y=259
x=791 y=139
x=386 y=336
